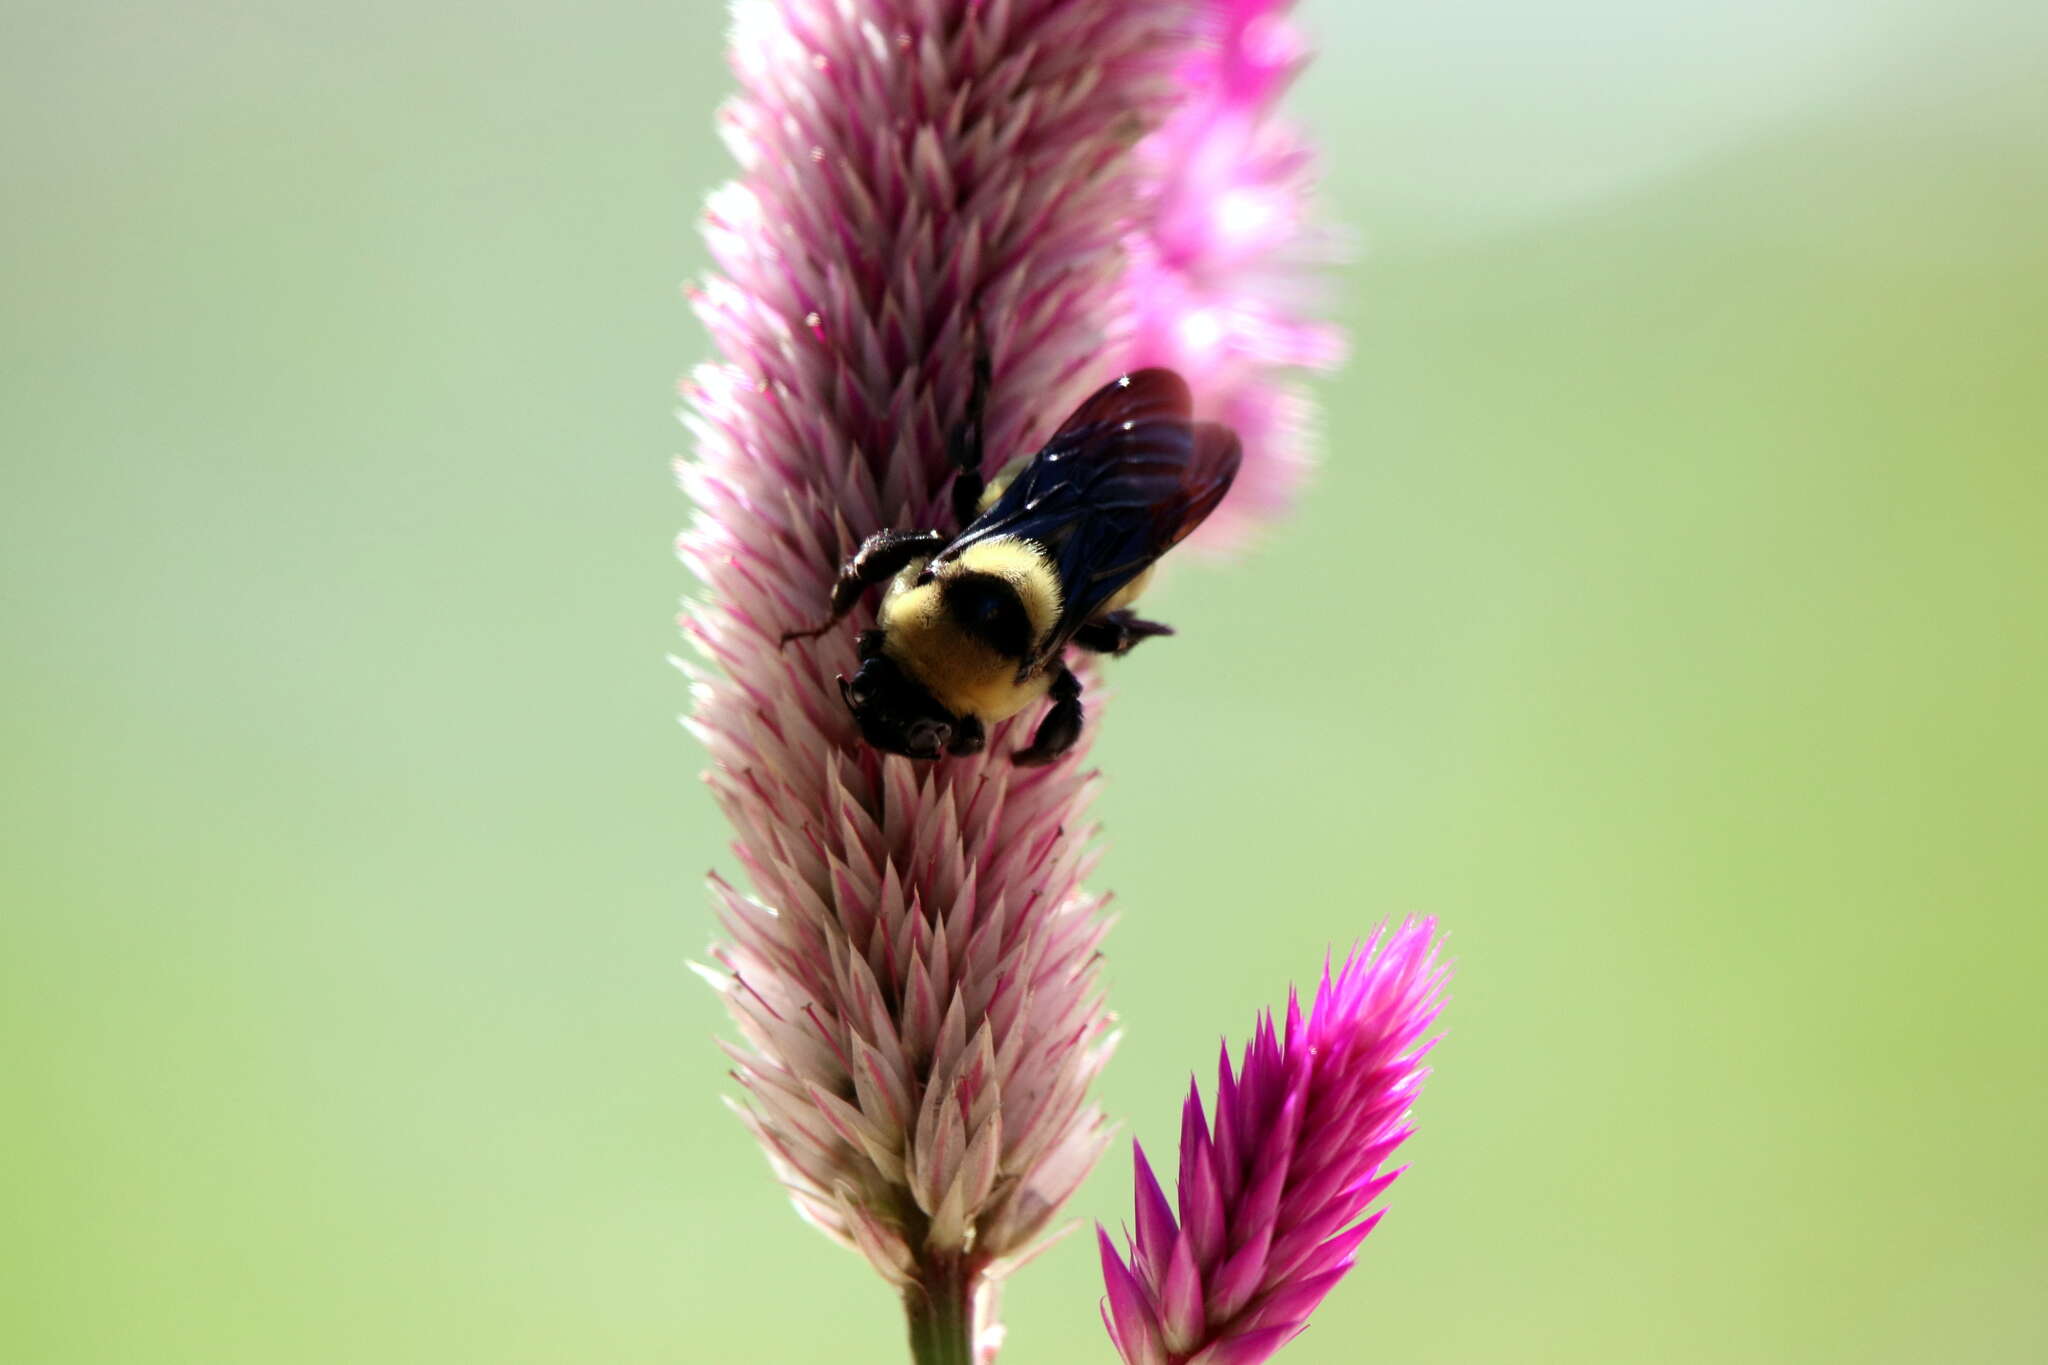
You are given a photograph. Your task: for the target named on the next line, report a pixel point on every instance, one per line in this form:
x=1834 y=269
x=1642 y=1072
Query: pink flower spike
x=1273 y=1198
x=1127 y=1312
x=1227 y=268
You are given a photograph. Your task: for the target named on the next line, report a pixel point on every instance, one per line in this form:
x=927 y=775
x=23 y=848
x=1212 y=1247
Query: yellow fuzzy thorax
x=967 y=676
x=1023 y=565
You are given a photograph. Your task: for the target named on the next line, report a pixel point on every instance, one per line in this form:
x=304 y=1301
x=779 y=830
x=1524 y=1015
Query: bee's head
x=898 y=715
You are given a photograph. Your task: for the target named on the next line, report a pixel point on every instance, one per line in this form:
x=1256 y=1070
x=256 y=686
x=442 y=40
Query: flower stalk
x=940 y=1309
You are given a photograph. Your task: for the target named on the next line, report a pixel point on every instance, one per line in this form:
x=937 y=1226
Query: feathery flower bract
x=1273 y=1196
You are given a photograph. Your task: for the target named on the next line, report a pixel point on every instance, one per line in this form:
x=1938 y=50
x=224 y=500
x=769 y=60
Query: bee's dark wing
x=1123 y=481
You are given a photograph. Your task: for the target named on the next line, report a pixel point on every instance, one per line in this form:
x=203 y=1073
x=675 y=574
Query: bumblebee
x=973 y=627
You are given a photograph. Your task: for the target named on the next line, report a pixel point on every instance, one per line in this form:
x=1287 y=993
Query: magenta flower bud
x=1273 y=1196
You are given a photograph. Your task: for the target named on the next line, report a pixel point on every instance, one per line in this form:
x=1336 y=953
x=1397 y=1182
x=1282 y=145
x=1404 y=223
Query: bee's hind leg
x=1061 y=727
x=964 y=446
x=1118 y=632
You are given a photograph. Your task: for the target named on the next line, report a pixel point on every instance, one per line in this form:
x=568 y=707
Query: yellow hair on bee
x=1130 y=592
x=964 y=674
x=993 y=490
x=1023 y=565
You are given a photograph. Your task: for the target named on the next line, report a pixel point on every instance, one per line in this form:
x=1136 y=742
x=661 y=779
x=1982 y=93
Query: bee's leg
x=1117 y=632
x=969 y=736
x=1061 y=726
x=880 y=558
x=964 y=446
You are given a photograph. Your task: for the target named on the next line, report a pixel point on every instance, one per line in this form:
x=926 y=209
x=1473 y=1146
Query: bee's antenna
x=811 y=634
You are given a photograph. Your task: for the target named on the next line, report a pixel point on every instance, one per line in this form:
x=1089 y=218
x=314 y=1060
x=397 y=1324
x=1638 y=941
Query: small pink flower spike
x=1228 y=265
x=1273 y=1196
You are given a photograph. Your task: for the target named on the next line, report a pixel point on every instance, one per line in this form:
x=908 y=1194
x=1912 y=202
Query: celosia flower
x=913 y=967
x=1228 y=262
x=1273 y=1197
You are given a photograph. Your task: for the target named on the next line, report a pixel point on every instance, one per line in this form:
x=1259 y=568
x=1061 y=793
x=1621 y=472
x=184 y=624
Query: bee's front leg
x=964 y=446
x=880 y=558
x=1061 y=727
x=1118 y=632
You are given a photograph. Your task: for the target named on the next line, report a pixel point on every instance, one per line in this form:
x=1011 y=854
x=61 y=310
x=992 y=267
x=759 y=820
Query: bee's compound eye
x=861 y=690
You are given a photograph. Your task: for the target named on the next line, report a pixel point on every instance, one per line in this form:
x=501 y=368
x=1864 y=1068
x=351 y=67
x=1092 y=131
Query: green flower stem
x=940 y=1308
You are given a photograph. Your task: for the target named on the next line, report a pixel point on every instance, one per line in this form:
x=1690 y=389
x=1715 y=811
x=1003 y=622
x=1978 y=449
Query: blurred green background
x=1668 y=618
